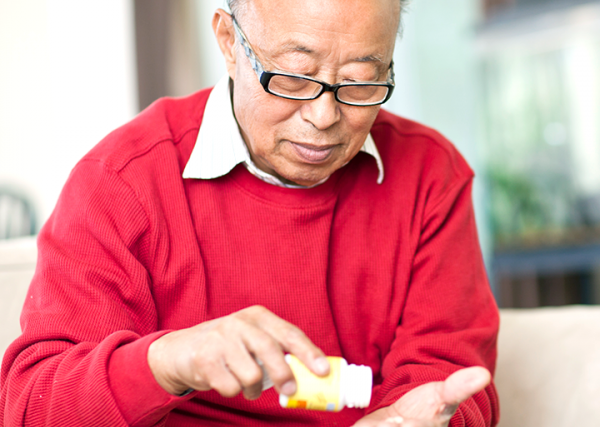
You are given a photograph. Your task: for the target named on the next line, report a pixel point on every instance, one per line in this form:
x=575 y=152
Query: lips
x=312 y=153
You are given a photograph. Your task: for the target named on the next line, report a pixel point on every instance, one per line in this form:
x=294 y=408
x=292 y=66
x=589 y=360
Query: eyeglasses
x=304 y=88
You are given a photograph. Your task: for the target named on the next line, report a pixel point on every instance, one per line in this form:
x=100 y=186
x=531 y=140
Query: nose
x=322 y=112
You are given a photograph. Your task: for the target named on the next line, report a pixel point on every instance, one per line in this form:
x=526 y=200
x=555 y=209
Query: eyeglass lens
x=299 y=88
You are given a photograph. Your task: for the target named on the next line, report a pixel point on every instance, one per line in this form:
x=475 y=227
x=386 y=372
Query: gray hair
x=237 y=7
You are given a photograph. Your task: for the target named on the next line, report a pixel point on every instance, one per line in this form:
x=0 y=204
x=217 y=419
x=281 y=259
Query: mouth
x=313 y=154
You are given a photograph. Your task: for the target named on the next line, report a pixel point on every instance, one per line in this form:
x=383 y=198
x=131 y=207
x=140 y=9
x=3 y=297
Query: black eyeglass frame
x=264 y=77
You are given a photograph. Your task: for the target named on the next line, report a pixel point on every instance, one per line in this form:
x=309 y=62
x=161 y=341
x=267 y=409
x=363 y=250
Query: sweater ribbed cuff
x=142 y=401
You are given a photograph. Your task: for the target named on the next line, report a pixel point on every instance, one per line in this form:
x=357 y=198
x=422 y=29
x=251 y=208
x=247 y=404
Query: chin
x=306 y=181
x=305 y=175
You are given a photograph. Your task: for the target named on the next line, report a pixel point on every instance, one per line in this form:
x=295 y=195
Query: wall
x=67 y=78
x=212 y=63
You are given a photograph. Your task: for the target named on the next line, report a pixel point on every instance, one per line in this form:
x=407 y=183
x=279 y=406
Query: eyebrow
x=370 y=58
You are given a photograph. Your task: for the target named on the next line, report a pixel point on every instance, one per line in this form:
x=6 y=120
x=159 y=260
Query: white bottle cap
x=357 y=385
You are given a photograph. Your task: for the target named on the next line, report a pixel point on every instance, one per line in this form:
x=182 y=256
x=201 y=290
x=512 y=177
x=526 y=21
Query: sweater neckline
x=290 y=197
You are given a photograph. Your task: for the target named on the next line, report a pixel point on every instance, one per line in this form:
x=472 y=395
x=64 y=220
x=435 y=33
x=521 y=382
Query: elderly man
x=280 y=212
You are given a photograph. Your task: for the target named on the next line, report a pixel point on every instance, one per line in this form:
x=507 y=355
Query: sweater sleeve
x=450 y=319
x=89 y=315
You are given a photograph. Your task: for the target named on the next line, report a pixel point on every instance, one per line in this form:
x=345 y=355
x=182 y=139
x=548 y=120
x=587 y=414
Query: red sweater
x=389 y=276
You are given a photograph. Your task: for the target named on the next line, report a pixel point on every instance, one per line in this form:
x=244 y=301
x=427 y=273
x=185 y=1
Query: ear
x=222 y=25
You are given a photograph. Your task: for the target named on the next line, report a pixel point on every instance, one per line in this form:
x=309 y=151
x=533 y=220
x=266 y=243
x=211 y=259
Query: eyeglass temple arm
x=392 y=73
x=254 y=62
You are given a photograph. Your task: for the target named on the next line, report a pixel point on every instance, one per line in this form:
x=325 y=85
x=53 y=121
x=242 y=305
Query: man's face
x=334 y=41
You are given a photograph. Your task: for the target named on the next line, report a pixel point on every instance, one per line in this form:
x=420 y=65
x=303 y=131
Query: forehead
x=362 y=30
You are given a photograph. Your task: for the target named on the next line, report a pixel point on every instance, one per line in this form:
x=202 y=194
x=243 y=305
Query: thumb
x=463 y=384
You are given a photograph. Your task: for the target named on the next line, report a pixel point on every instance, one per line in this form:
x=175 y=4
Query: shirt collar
x=220 y=147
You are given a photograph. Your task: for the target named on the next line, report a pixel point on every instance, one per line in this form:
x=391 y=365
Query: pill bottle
x=346 y=385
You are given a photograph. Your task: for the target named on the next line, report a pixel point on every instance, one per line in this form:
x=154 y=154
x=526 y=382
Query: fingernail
x=289 y=388
x=321 y=365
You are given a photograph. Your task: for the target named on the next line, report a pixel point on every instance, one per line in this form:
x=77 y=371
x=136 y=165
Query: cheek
x=360 y=119
x=261 y=117
x=257 y=108
x=246 y=104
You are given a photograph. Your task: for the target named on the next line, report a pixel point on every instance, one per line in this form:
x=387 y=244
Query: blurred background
x=515 y=84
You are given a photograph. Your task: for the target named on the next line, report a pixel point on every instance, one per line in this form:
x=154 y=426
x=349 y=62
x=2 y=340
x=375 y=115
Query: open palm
x=431 y=404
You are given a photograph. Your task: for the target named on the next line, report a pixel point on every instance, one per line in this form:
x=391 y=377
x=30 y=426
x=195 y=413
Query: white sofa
x=17 y=264
x=548 y=372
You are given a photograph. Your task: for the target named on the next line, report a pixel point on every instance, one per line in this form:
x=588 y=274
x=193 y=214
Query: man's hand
x=221 y=355
x=432 y=404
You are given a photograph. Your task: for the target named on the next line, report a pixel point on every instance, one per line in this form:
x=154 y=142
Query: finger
x=253 y=392
x=245 y=369
x=463 y=384
x=420 y=423
x=293 y=340
x=220 y=378
x=269 y=352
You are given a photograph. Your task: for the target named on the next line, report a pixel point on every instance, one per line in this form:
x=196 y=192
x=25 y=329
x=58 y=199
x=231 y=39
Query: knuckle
x=206 y=369
x=198 y=378
x=252 y=315
x=264 y=344
x=213 y=363
x=294 y=336
x=225 y=388
x=251 y=377
x=214 y=337
x=233 y=324
x=257 y=311
x=281 y=376
x=259 y=308
x=206 y=358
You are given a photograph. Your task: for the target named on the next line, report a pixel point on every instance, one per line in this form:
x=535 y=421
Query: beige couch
x=548 y=371
x=17 y=264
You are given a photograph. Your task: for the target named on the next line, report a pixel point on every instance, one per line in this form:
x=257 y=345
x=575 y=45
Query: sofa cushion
x=548 y=371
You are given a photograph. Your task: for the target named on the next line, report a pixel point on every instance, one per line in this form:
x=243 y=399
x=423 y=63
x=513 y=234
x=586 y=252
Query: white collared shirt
x=220 y=146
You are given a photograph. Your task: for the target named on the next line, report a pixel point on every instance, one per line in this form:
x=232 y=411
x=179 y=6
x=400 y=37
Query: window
x=513 y=8
x=541 y=85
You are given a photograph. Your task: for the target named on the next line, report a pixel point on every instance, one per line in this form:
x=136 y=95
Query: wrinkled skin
x=334 y=41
